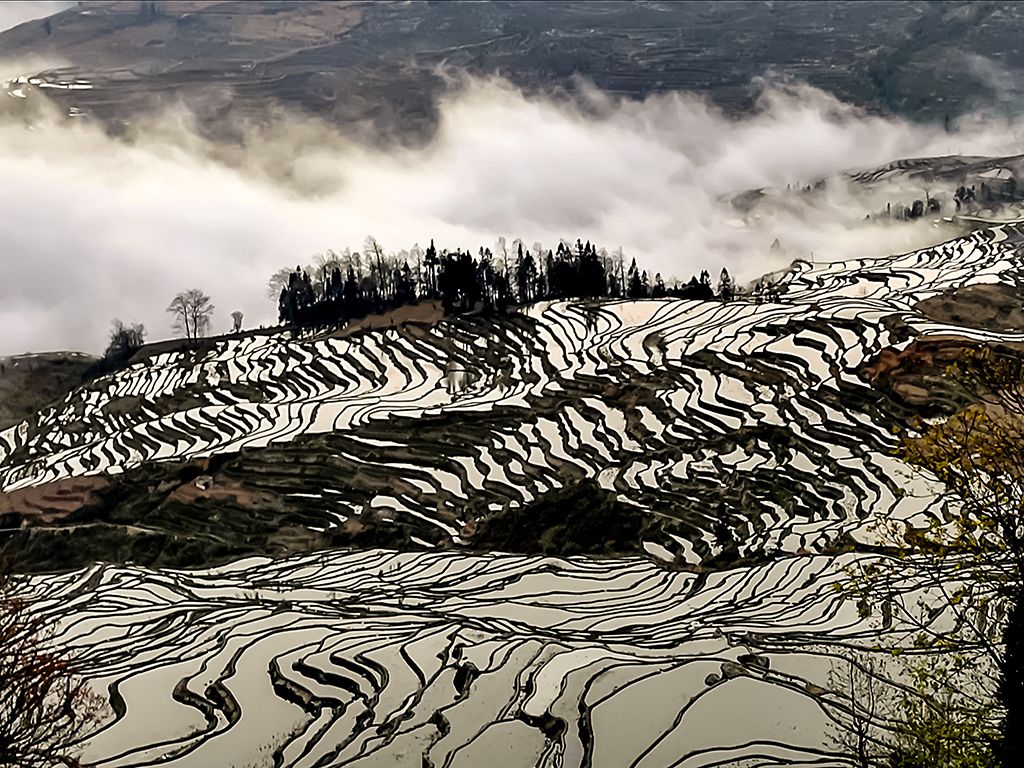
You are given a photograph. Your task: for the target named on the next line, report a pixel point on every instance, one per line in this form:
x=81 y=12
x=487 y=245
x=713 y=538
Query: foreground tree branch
x=46 y=708
x=968 y=561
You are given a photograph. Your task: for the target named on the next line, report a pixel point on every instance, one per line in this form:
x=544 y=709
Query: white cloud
x=92 y=227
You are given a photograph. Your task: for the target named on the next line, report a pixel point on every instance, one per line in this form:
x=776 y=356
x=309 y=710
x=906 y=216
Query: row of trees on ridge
x=340 y=287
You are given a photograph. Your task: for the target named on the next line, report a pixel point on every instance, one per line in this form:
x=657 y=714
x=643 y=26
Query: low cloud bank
x=94 y=227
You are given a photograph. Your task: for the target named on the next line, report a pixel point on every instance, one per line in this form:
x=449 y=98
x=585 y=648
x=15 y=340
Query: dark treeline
x=998 y=190
x=353 y=285
x=125 y=341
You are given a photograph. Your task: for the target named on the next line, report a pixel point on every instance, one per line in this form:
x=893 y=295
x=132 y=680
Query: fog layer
x=93 y=227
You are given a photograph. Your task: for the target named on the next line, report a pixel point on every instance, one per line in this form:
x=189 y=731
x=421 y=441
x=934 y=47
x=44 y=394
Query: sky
x=15 y=12
x=95 y=228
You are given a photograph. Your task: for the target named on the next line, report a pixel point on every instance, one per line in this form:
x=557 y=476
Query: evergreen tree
x=726 y=288
x=336 y=289
x=634 y=285
x=658 y=291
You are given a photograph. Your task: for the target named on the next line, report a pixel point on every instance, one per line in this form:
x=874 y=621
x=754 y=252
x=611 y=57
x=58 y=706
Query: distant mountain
x=377 y=65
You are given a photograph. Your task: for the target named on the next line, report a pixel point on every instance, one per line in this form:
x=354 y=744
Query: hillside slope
x=375 y=63
x=738 y=430
x=30 y=382
x=736 y=454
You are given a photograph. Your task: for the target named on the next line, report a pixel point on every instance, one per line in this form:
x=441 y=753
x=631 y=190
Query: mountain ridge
x=364 y=64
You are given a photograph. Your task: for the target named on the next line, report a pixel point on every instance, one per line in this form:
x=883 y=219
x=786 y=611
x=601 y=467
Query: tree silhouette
x=341 y=288
x=45 y=707
x=125 y=340
x=975 y=551
x=726 y=287
x=634 y=285
x=192 y=311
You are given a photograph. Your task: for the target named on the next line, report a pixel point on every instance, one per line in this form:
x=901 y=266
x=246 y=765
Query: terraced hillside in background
x=734 y=430
x=31 y=382
x=612 y=514
x=376 y=64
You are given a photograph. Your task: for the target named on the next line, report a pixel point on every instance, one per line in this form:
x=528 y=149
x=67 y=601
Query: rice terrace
x=674 y=420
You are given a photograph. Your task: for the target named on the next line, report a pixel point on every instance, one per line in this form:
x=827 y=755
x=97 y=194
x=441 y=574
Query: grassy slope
x=30 y=382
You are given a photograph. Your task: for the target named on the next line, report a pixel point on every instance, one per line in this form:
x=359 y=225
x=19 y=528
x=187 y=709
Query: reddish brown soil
x=190 y=492
x=51 y=502
x=919 y=375
x=427 y=312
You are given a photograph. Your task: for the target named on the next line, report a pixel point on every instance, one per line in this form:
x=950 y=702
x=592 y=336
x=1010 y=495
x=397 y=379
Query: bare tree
x=500 y=249
x=45 y=707
x=416 y=256
x=278 y=281
x=857 y=733
x=192 y=311
x=968 y=559
x=372 y=249
x=978 y=454
x=913 y=711
x=125 y=340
